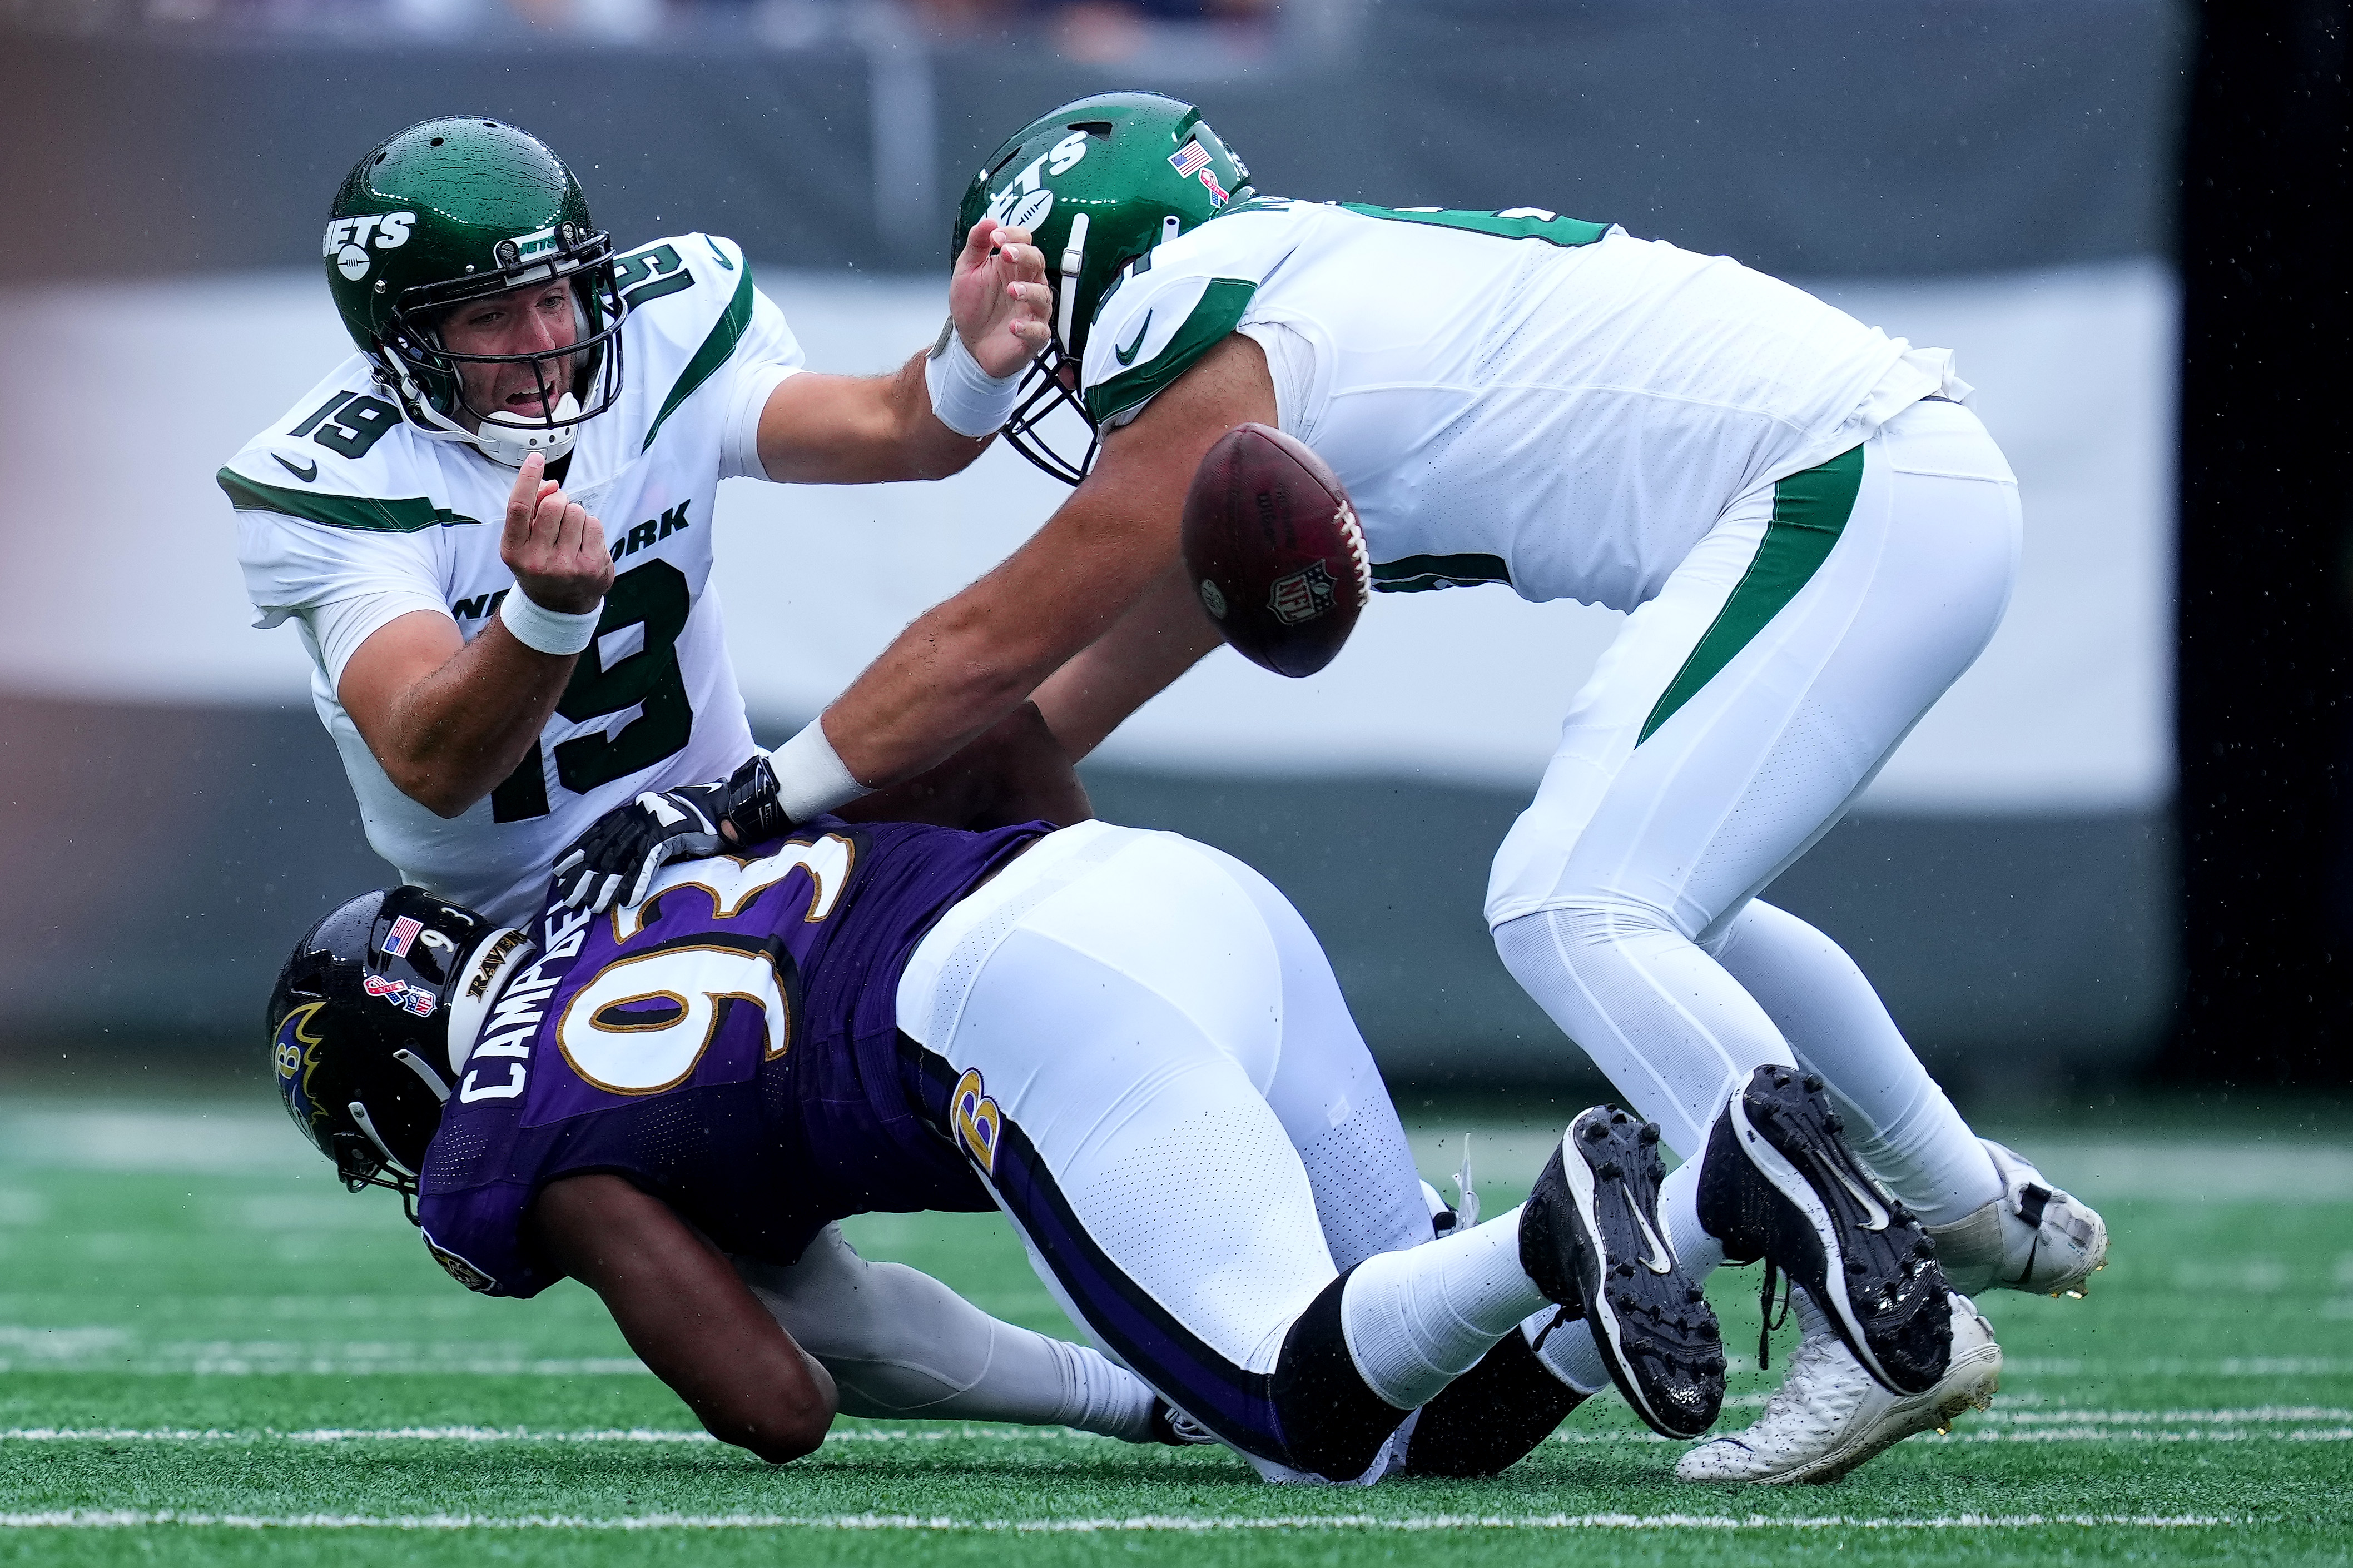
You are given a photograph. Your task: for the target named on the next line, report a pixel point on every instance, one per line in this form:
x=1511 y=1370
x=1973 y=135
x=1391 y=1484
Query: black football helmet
x=359 y=1028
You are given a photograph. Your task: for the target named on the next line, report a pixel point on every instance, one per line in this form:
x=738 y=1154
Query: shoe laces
x=1765 y=1320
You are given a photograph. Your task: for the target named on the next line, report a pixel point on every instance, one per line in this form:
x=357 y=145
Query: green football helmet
x=450 y=211
x=1097 y=183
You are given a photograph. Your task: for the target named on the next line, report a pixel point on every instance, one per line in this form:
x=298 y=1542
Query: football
x=1274 y=551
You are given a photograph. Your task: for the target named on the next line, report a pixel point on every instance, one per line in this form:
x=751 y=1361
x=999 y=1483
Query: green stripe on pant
x=1809 y=511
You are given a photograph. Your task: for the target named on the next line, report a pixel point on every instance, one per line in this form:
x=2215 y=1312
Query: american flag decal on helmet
x=402 y=932
x=1191 y=161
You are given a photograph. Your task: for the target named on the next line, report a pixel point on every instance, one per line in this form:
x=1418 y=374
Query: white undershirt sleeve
x=1290 y=364
x=343 y=585
x=766 y=356
x=341 y=626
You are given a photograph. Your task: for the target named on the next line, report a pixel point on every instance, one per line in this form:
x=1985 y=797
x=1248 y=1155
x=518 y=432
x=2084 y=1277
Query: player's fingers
x=1026 y=262
x=656 y=857
x=523 y=497
x=975 y=245
x=606 y=887
x=547 y=517
x=591 y=544
x=570 y=530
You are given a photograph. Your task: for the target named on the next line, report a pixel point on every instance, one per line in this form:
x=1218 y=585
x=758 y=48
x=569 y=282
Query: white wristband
x=810 y=777
x=544 y=630
x=964 y=397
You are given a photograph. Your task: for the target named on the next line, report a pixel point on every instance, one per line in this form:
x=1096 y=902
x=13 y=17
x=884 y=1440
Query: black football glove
x=628 y=845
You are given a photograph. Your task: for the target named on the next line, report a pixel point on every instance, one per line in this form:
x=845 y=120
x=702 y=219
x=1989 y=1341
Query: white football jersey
x=1512 y=396
x=348 y=517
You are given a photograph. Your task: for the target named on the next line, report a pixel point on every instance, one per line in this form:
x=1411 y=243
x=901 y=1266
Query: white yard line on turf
x=2304 y=1424
x=131 y=1518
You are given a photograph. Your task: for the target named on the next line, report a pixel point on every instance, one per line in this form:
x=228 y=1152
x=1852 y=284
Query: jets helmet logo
x=349 y=239
x=1025 y=202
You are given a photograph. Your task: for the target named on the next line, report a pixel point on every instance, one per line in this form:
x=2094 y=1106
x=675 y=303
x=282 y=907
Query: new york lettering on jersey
x=341 y=500
x=1512 y=396
x=730 y=1046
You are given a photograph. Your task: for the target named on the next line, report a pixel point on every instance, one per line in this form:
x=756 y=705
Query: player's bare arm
x=1161 y=638
x=448 y=718
x=965 y=664
x=842 y=430
x=688 y=1315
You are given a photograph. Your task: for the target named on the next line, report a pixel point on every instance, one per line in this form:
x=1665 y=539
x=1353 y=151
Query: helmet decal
x=351 y=239
x=296 y=1050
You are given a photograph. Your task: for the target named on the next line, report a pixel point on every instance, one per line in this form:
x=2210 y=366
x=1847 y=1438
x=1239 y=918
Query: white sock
x=1101 y=1397
x=1415 y=1321
x=1897 y=1120
x=1700 y=1253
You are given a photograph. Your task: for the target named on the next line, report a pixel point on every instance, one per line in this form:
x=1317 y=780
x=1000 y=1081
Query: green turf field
x=209 y=1353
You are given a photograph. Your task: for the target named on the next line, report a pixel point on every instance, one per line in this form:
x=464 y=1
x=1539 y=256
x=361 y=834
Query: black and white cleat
x=1590 y=1238
x=1779 y=1182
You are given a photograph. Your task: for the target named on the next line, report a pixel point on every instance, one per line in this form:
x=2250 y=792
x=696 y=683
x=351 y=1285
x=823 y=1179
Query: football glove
x=620 y=855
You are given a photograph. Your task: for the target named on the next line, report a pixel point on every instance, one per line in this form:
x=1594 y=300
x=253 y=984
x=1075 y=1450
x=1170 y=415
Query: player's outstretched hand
x=620 y=855
x=998 y=297
x=555 y=550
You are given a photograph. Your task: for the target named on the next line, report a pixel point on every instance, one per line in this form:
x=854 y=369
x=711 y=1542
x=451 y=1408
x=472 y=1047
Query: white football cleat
x=2033 y=1238
x=1830 y=1416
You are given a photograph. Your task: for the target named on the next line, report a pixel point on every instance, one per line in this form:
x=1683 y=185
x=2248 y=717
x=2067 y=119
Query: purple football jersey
x=731 y=1047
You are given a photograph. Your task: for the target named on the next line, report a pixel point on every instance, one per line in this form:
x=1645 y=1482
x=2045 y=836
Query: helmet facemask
x=576 y=383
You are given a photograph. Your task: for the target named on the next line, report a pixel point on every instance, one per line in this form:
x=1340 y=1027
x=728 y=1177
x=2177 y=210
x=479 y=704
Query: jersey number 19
x=653 y=596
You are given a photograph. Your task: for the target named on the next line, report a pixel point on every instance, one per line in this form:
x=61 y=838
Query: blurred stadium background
x=2114 y=854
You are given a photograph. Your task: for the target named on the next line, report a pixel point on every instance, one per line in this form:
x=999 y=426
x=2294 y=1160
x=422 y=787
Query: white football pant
x=1732 y=723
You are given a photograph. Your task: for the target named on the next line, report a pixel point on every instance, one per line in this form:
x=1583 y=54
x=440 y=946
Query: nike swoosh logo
x=305 y=475
x=1657 y=1258
x=1872 y=1206
x=1127 y=355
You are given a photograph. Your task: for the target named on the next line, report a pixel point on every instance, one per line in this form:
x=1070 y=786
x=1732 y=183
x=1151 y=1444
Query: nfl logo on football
x=1303 y=595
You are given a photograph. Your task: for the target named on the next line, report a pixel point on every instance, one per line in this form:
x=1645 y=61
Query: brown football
x=1274 y=551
